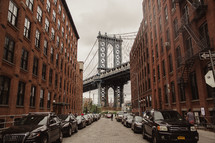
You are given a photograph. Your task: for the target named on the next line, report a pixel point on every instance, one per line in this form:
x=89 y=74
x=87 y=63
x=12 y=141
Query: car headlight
x=193 y=129
x=33 y=135
x=162 y=128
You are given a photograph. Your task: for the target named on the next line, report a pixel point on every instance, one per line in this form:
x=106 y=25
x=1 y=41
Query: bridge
x=112 y=68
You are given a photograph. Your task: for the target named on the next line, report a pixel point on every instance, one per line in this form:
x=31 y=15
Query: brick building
x=165 y=63
x=39 y=70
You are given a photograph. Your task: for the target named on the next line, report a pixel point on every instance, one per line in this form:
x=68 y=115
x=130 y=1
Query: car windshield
x=130 y=117
x=78 y=117
x=138 y=119
x=167 y=115
x=34 y=120
x=64 y=117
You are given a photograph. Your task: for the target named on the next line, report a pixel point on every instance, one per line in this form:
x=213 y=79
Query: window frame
x=27 y=28
x=5 y=89
x=24 y=59
x=9 y=49
x=21 y=94
x=12 y=13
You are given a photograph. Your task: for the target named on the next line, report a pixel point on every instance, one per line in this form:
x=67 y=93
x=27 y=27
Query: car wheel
x=144 y=132
x=76 y=129
x=44 y=139
x=69 y=131
x=60 y=139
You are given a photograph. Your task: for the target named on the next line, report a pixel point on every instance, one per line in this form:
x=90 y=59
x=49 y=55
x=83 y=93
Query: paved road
x=107 y=131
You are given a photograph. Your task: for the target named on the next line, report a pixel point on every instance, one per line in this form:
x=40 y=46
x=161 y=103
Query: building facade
x=166 y=69
x=38 y=58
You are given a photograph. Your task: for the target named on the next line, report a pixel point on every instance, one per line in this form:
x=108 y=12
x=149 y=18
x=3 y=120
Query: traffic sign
x=209 y=78
x=206 y=55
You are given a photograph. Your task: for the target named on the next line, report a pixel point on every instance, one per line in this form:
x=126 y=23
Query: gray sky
x=111 y=16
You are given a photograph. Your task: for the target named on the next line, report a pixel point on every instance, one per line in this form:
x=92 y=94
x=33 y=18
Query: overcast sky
x=111 y=16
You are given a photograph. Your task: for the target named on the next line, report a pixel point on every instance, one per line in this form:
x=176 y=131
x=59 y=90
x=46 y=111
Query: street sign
x=206 y=55
x=209 y=78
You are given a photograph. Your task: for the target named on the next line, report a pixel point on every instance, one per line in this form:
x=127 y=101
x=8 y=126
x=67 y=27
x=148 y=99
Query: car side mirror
x=52 y=121
x=151 y=118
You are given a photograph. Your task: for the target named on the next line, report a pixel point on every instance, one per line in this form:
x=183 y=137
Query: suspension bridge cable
x=91 y=50
x=123 y=33
x=91 y=60
x=91 y=71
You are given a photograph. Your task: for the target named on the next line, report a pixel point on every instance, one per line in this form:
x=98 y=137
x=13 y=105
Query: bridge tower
x=103 y=42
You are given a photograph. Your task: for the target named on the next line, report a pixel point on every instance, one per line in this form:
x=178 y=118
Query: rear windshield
x=167 y=115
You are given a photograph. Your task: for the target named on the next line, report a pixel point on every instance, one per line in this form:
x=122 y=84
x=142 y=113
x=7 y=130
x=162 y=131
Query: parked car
x=69 y=124
x=136 y=124
x=124 y=117
x=81 y=122
x=119 y=116
x=88 y=119
x=41 y=127
x=108 y=115
x=128 y=121
x=168 y=126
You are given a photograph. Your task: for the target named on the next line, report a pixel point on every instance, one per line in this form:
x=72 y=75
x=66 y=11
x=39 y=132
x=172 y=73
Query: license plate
x=181 y=138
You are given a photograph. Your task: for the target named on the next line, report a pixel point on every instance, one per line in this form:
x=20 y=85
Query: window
x=170 y=63
x=12 y=13
x=35 y=66
x=45 y=49
x=61 y=48
x=55 y=2
x=159 y=4
x=52 y=54
x=47 y=25
x=37 y=39
x=173 y=92
x=154 y=13
x=33 y=96
x=194 y=87
x=39 y=14
x=29 y=4
x=203 y=30
x=163 y=65
x=189 y=47
x=166 y=13
x=27 y=28
x=24 y=59
x=173 y=5
x=44 y=72
x=58 y=24
x=54 y=16
x=158 y=70
x=2 y=123
x=48 y=6
x=41 y=98
x=58 y=41
x=166 y=94
x=59 y=9
x=62 y=31
x=178 y=56
x=50 y=76
x=63 y=17
x=175 y=24
x=56 y=80
x=160 y=24
x=9 y=49
x=4 y=90
x=56 y=59
x=49 y=100
x=161 y=45
x=52 y=34
x=182 y=92
x=20 y=94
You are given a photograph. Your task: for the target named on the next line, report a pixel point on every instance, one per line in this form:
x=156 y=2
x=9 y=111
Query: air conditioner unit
x=166 y=44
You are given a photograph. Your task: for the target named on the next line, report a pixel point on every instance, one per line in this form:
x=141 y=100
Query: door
x=54 y=129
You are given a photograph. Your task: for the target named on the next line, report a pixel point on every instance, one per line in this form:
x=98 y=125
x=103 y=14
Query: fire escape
x=190 y=16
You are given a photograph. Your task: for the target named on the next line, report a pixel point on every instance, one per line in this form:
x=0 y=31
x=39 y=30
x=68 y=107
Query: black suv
x=41 y=127
x=168 y=126
x=69 y=124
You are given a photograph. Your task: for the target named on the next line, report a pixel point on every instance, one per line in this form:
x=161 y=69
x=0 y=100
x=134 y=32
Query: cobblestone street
x=107 y=131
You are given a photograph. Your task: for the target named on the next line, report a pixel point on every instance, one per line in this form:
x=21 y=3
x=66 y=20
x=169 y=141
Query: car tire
x=60 y=139
x=69 y=132
x=44 y=139
x=144 y=132
x=76 y=128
